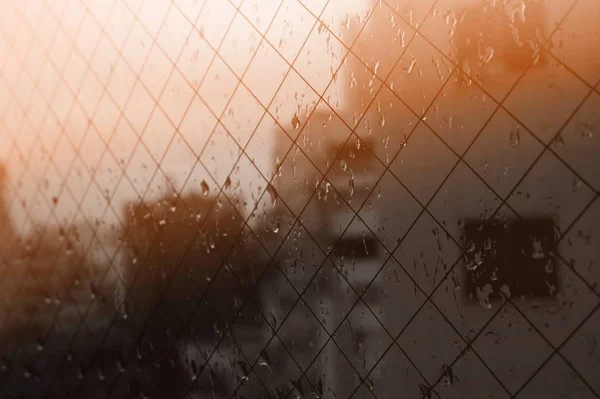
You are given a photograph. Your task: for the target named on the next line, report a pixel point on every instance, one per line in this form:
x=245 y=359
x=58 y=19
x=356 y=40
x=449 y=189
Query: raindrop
x=538 y=252
x=515 y=137
x=40 y=345
x=365 y=243
x=483 y=294
x=586 y=130
x=343 y=165
x=264 y=359
x=505 y=290
x=576 y=185
x=489 y=54
x=353 y=82
x=205 y=188
x=410 y=68
x=273 y=194
x=558 y=141
x=448 y=374
x=295 y=121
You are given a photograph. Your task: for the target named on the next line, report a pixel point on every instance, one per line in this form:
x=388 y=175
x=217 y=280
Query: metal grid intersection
x=243 y=156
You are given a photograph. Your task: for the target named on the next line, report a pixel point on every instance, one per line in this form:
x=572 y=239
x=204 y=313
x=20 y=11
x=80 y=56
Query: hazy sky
x=115 y=84
x=83 y=83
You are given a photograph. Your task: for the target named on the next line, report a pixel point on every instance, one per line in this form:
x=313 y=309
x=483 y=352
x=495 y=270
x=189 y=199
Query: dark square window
x=515 y=258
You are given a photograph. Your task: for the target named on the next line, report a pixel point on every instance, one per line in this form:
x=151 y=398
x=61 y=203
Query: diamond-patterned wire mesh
x=190 y=186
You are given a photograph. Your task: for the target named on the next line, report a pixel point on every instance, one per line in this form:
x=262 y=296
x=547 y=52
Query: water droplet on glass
x=489 y=54
x=365 y=243
x=273 y=194
x=586 y=130
x=558 y=141
x=120 y=366
x=295 y=121
x=381 y=120
x=538 y=252
x=577 y=185
x=343 y=165
x=483 y=294
x=410 y=68
x=204 y=187
x=515 y=137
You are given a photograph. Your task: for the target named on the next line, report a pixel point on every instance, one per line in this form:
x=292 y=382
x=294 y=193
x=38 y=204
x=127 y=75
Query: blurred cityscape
x=430 y=238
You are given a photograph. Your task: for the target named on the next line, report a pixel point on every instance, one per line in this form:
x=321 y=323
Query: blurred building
x=191 y=263
x=338 y=296
x=57 y=297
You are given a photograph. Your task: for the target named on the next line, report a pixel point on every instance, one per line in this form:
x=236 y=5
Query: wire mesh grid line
x=263 y=192
x=242 y=154
x=221 y=187
x=309 y=233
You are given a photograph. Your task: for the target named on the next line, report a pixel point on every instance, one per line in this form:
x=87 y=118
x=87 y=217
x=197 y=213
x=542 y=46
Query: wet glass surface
x=299 y=199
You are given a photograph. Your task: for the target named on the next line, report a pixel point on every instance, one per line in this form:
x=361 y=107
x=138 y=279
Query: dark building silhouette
x=58 y=301
x=190 y=265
